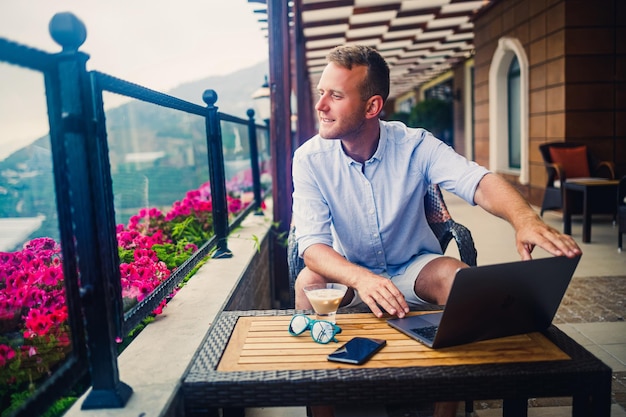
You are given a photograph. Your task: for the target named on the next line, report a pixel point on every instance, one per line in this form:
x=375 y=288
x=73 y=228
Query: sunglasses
x=322 y=331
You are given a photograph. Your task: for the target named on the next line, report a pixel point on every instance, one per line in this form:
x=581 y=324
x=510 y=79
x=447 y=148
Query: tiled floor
x=592 y=312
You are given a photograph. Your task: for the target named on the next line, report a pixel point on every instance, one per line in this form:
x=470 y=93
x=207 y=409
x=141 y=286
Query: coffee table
x=248 y=359
x=596 y=191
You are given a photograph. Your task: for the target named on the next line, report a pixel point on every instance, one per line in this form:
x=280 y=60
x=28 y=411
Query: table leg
x=567 y=212
x=590 y=406
x=601 y=402
x=515 y=407
x=596 y=403
x=234 y=412
x=586 y=216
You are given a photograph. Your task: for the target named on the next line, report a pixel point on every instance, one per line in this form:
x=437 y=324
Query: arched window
x=514 y=115
x=508 y=110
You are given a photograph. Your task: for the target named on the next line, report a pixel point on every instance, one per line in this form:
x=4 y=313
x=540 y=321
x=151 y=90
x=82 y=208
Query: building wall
x=577 y=77
x=595 y=74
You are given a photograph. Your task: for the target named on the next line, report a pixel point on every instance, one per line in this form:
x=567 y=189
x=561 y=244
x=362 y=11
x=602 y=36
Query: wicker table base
x=249 y=360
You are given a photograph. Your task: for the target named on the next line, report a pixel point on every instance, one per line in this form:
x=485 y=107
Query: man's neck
x=362 y=147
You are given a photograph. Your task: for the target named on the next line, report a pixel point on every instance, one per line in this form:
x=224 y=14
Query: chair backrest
x=439 y=219
x=544 y=148
x=445 y=228
x=435 y=206
x=573 y=164
x=596 y=167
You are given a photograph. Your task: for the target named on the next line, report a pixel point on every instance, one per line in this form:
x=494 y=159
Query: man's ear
x=373 y=107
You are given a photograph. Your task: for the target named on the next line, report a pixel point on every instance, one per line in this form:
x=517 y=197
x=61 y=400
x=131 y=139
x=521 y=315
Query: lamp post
x=261 y=99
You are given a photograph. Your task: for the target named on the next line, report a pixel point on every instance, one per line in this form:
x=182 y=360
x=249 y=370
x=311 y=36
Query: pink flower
x=38 y=323
x=33 y=297
x=32 y=351
x=6 y=354
x=64 y=340
x=59 y=316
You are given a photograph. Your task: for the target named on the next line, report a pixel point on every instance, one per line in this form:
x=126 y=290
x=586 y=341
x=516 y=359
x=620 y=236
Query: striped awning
x=420 y=39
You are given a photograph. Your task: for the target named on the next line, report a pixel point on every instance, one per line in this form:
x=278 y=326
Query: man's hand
x=377 y=292
x=498 y=197
x=533 y=232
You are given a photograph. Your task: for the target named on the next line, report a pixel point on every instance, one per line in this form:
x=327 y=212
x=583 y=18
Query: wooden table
x=248 y=359
x=598 y=192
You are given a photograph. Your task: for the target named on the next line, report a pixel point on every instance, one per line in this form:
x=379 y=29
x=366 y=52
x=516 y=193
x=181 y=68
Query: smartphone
x=357 y=350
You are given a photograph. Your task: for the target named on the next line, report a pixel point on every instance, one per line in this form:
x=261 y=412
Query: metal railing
x=85 y=206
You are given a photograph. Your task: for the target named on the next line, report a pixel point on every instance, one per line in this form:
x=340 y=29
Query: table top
x=591 y=182
x=262 y=343
x=218 y=377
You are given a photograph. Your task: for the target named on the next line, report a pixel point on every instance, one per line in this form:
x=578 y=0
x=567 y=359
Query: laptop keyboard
x=427 y=332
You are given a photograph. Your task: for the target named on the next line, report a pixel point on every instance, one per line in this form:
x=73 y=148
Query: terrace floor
x=593 y=311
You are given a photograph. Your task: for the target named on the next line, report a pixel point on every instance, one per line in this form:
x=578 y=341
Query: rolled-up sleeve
x=452 y=171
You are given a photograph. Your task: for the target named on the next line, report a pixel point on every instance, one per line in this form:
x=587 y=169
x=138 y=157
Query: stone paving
x=592 y=300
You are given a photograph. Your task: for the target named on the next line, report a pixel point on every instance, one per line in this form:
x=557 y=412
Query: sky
x=159 y=44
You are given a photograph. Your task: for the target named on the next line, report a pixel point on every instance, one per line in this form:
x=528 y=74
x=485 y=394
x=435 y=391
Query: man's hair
x=377 y=79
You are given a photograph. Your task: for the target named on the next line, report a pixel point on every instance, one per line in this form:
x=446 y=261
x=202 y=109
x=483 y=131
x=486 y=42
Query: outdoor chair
x=568 y=160
x=441 y=223
x=621 y=211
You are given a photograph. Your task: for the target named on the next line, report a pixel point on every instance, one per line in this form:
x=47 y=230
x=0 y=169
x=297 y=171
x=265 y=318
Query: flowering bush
x=33 y=313
x=241 y=183
x=34 y=329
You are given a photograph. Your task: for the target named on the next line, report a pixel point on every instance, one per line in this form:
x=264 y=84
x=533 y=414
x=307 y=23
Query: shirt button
x=381 y=264
x=371 y=211
x=379 y=252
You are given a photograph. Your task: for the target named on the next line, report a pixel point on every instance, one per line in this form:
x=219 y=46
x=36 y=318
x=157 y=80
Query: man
x=358 y=201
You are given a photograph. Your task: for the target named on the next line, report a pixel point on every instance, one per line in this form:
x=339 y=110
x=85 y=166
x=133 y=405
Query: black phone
x=357 y=350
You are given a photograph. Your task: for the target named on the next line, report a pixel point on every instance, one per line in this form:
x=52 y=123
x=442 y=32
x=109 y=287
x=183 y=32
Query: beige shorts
x=405 y=281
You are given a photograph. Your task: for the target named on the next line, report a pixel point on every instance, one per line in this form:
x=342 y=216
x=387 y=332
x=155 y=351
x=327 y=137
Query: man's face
x=340 y=109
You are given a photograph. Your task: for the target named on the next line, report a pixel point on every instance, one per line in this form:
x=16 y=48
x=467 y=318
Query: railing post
x=217 y=175
x=254 y=160
x=90 y=201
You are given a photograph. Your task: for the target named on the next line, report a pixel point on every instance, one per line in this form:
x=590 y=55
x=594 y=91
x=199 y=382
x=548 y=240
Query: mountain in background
x=234 y=97
x=156 y=153
x=234 y=91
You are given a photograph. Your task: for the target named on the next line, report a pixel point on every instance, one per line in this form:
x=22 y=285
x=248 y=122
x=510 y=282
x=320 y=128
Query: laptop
x=492 y=301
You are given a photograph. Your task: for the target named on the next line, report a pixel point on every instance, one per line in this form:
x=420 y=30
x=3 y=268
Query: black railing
x=85 y=194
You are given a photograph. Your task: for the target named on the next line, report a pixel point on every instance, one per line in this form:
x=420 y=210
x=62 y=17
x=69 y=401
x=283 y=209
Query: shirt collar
x=380 y=150
x=382 y=142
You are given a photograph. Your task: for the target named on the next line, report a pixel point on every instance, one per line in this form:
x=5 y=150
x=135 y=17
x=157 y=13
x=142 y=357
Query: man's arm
x=374 y=290
x=498 y=197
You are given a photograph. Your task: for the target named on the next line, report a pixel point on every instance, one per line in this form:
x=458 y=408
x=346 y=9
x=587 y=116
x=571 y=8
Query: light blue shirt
x=373 y=213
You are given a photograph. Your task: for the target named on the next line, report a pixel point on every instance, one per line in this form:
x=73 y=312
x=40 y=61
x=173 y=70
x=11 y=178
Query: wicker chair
x=441 y=223
x=558 y=174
